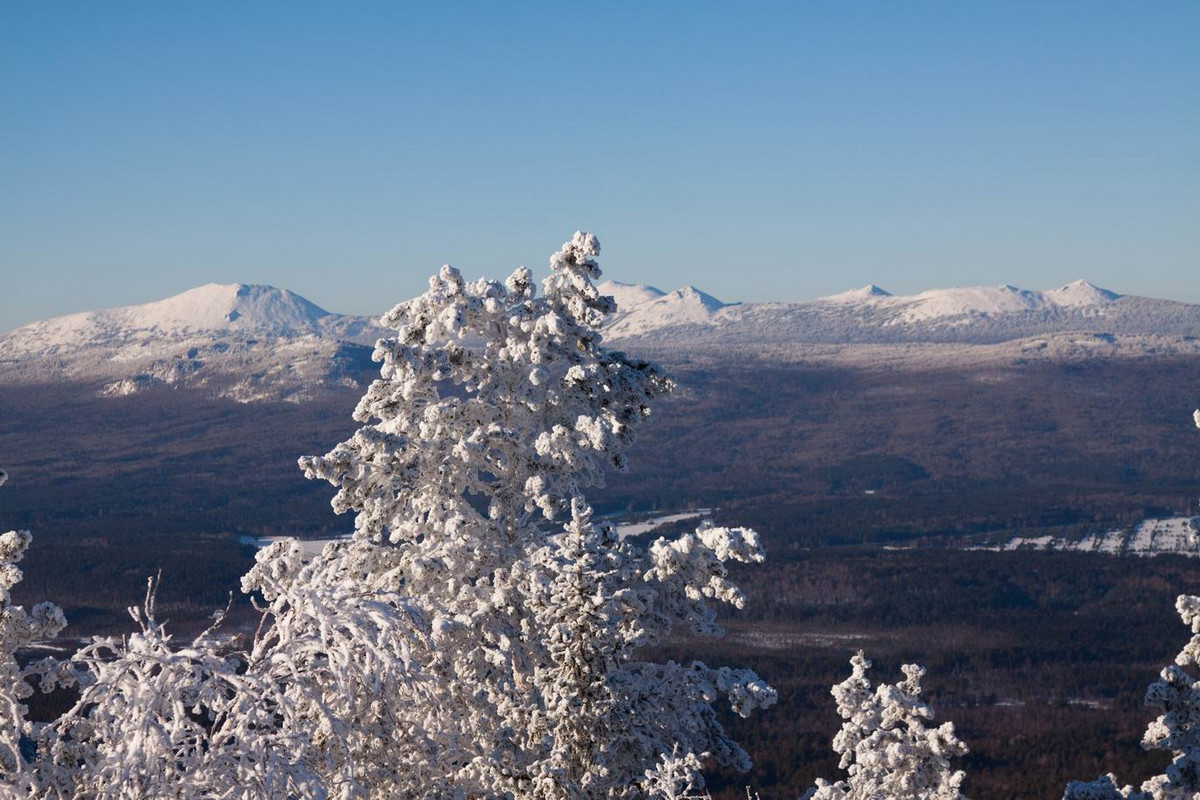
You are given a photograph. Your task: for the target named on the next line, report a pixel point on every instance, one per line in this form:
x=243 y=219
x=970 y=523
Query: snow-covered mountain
x=970 y=315
x=641 y=310
x=628 y=295
x=261 y=343
x=241 y=341
x=236 y=310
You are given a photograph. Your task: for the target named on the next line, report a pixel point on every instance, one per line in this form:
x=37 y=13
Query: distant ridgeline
x=258 y=343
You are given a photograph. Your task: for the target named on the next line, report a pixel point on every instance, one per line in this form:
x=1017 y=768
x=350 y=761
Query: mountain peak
x=243 y=307
x=214 y=308
x=629 y=295
x=691 y=295
x=685 y=306
x=861 y=294
x=1080 y=293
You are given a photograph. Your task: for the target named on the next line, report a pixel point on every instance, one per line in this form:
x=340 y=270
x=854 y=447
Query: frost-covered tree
x=297 y=715
x=496 y=409
x=18 y=629
x=886 y=747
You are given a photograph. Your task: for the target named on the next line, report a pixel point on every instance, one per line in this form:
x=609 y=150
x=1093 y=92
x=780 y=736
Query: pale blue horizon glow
x=758 y=151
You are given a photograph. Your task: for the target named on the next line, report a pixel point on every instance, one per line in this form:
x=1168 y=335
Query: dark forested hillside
x=809 y=455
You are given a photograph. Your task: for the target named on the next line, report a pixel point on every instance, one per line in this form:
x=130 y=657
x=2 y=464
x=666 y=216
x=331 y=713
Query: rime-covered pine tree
x=885 y=745
x=1176 y=694
x=495 y=410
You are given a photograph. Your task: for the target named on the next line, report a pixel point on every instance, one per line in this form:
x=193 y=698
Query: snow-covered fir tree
x=886 y=747
x=497 y=408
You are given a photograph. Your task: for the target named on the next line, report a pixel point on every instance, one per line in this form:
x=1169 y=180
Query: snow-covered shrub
x=886 y=748
x=306 y=712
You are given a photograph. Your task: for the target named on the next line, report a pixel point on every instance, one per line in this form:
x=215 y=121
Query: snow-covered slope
x=1150 y=537
x=242 y=341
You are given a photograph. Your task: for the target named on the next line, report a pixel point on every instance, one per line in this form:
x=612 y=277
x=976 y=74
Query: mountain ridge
x=252 y=342
x=969 y=315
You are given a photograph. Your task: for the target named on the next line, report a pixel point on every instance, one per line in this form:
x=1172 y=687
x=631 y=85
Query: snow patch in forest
x=627 y=529
x=1151 y=537
x=311 y=547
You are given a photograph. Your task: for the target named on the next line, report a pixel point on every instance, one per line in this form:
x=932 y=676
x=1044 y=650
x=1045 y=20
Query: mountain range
x=249 y=342
x=970 y=315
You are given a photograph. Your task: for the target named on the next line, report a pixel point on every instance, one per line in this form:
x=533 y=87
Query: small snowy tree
x=885 y=745
x=1176 y=694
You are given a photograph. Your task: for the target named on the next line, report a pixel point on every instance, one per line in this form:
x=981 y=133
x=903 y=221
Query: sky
x=758 y=151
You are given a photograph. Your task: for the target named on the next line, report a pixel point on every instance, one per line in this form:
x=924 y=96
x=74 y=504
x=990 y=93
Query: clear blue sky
x=759 y=151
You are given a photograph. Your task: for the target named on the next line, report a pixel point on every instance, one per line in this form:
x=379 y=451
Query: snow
x=625 y=530
x=869 y=315
x=977 y=300
x=1151 y=537
x=999 y=300
x=309 y=548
